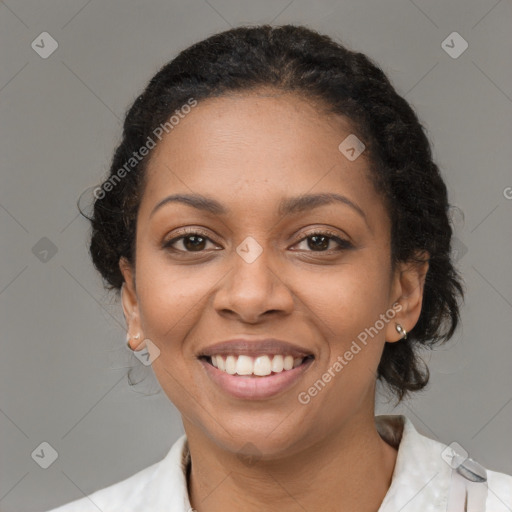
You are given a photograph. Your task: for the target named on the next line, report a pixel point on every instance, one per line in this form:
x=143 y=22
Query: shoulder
x=146 y=488
x=500 y=491
x=430 y=475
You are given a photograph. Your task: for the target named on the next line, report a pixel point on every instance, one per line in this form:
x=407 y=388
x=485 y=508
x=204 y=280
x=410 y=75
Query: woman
x=279 y=236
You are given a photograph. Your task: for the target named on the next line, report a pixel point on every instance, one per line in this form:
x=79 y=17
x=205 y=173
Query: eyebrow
x=287 y=206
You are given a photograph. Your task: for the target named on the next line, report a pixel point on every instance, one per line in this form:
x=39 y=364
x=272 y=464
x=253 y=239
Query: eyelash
x=342 y=243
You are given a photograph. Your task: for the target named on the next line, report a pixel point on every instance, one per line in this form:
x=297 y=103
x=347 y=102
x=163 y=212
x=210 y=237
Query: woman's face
x=252 y=269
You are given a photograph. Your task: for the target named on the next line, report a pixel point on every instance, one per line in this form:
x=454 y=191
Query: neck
x=348 y=470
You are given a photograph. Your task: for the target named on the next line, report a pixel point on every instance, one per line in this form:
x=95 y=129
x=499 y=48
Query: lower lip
x=254 y=387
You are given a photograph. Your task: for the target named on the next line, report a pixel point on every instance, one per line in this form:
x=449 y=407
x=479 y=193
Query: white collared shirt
x=425 y=479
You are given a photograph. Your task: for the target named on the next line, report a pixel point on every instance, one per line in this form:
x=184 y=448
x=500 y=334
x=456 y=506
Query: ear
x=130 y=304
x=407 y=291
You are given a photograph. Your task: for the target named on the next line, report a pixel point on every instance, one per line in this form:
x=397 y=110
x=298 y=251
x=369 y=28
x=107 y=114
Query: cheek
x=348 y=306
x=170 y=303
x=169 y=296
x=350 y=298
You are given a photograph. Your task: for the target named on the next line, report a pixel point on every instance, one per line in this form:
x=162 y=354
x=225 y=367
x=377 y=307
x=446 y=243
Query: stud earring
x=401 y=331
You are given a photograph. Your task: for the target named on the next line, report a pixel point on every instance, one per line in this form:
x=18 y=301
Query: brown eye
x=191 y=241
x=321 y=241
x=194 y=242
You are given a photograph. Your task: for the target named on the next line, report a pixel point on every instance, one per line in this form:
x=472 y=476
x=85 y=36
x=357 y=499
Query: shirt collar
x=421 y=477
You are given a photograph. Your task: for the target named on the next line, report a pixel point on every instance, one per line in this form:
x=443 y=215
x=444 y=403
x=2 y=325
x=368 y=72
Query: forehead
x=257 y=147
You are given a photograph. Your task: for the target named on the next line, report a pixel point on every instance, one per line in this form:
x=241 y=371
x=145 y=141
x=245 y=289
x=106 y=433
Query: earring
x=401 y=331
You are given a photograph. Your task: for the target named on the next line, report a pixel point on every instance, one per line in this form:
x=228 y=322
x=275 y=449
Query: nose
x=253 y=290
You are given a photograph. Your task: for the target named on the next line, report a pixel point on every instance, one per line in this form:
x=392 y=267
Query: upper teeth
x=261 y=365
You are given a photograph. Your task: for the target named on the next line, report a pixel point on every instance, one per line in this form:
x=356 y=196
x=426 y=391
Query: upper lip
x=255 y=347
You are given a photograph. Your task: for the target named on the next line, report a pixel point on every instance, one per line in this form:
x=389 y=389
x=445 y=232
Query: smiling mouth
x=259 y=366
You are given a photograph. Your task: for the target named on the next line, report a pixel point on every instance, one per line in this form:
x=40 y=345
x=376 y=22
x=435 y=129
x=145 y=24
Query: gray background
x=63 y=359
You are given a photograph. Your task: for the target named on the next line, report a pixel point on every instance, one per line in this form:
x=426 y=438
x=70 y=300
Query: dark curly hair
x=297 y=59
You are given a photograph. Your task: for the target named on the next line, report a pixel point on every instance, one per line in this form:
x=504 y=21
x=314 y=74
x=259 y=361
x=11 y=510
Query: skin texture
x=248 y=151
